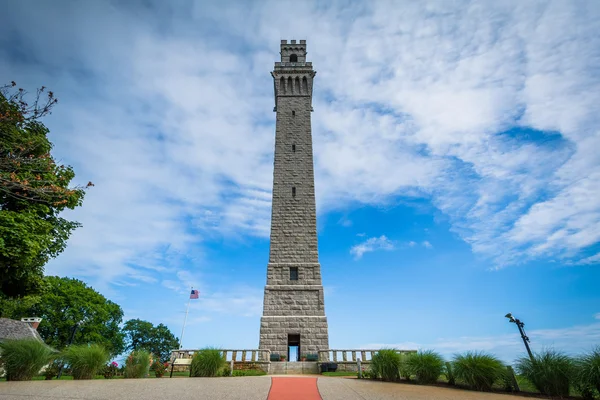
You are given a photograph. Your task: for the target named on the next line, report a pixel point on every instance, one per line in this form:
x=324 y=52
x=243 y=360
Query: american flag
x=194 y=294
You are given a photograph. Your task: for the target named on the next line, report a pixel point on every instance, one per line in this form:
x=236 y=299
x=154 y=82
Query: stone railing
x=241 y=357
x=347 y=360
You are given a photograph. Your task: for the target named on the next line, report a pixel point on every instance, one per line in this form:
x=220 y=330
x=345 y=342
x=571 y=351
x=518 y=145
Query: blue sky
x=456 y=161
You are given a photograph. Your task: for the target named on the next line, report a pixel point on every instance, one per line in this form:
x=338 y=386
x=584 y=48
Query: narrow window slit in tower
x=294 y=191
x=294 y=148
x=293 y=113
x=293 y=273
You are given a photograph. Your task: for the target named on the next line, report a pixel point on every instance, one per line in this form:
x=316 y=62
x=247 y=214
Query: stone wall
x=352 y=366
x=293 y=217
x=312 y=331
x=305 y=300
x=308 y=274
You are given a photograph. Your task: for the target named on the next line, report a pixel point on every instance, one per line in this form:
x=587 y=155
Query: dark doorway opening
x=293 y=347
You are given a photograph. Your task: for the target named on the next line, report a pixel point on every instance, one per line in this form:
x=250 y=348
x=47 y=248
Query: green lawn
x=339 y=373
x=249 y=372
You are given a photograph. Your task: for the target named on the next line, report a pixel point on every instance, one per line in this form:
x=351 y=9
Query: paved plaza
x=240 y=388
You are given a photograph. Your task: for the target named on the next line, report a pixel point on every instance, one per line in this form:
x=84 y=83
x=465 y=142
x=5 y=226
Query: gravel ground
x=240 y=388
x=332 y=388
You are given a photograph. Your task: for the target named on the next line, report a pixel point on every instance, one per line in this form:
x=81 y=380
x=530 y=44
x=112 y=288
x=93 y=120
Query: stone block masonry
x=294 y=305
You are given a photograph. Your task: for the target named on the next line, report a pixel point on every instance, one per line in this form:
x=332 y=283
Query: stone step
x=294 y=368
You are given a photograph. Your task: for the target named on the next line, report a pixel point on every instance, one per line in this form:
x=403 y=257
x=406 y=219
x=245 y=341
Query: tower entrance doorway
x=293 y=347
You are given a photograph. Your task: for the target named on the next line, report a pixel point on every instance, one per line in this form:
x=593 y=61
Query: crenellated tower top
x=293 y=52
x=293 y=75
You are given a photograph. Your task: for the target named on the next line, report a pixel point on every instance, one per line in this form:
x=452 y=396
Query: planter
x=329 y=367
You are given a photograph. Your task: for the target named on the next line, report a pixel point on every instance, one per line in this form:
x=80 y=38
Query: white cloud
x=597 y=316
x=239 y=300
x=427 y=244
x=175 y=125
x=372 y=244
x=235 y=301
x=591 y=260
x=345 y=222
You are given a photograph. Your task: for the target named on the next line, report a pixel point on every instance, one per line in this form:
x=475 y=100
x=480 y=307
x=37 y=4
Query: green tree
x=144 y=335
x=65 y=303
x=34 y=189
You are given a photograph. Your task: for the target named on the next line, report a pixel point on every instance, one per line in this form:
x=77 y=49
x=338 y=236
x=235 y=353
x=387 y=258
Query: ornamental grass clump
x=550 y=372
x=587 y=371
x=385 y=364
x=404 y=371
x=207 y=362
x=24 y=358
x=137 y=364
x=85 y=361
x=477 y=370
x=426 y=366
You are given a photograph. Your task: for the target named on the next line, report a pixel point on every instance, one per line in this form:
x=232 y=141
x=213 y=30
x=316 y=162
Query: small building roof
x=13 y=329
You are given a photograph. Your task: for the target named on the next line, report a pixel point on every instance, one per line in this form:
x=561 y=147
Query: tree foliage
x=34 y=189
x=65 y=303
x=144 y=335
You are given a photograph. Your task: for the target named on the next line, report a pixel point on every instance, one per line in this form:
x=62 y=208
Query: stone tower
x=294 y=308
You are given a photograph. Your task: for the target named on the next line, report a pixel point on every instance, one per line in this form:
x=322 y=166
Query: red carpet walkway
x=294 y=389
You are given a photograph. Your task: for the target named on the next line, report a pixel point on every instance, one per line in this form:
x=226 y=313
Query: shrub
x=159 y=368
x=550 y=372
x=426 y=366
x=52 y=370
x=386 y=364
x=587 y=371
x=110 y=370
x=368 y=374
x=207 y=362
x=137 y=364
x=24 y=358
x=85 y=361
x=477 y=370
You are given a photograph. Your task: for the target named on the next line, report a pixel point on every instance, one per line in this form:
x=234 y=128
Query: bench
x=181 y=361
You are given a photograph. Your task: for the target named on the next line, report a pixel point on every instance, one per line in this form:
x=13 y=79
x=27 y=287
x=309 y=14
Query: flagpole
x=184 y=320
